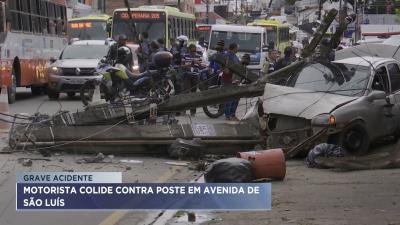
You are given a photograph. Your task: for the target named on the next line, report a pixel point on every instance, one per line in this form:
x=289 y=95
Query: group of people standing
x=193 y=73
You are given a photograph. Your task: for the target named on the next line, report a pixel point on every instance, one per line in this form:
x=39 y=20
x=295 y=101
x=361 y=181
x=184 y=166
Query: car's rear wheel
x=354 y=138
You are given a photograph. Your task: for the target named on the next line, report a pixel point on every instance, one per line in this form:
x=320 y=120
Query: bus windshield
x=155 y=29
x=271 y=34
x=203 y=32
x=84 y=52
x=88 y=30
x=142 y=21
x=248 y=42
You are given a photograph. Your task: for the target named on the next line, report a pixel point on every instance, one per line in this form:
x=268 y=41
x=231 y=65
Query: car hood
x=75 y=63
x=300 y=103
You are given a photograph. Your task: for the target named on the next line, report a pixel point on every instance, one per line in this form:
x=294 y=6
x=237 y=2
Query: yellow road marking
x=117 y=216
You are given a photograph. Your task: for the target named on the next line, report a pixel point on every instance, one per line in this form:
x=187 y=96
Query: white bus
x=250 y=40
x=31 y=32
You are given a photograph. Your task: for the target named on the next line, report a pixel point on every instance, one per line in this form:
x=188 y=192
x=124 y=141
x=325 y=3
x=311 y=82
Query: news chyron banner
x=105 y=191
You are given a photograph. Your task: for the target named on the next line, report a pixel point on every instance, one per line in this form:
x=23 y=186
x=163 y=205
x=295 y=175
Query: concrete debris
x=27 y=162
x=186 y=149
x=198 y=166
x=99 y=158
x=191 y=217
x=177 y=163
x=131 y=161
x=231 y=170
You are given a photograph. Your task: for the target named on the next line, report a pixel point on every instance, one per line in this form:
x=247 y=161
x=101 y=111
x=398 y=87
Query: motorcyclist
x=119 y=53
x=120 y=56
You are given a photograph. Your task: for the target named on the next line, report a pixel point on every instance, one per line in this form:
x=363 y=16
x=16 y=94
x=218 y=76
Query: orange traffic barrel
x=266 y=163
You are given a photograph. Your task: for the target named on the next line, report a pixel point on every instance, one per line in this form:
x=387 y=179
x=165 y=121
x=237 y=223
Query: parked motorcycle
x=117 y=81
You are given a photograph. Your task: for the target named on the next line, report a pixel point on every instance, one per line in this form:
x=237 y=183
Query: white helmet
x=182 y=38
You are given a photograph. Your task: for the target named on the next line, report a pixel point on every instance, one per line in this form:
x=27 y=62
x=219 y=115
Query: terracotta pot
x=266 y=163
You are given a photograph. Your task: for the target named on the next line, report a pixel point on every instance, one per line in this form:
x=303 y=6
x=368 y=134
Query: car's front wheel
x=53 y=95
x=354 y=138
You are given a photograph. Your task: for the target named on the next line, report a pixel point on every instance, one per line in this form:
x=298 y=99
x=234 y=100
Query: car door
x=394 y=78
x=381 y=121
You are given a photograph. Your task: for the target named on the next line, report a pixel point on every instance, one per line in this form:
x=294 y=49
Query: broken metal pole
x=319 y=34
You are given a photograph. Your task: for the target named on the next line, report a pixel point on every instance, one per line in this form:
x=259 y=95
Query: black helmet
x=123 y=51
x=162 y=59
x=246 y=59
x=122 y=37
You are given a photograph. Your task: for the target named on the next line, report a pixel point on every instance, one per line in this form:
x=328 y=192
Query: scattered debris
x=191 y=217
x=186 y=149
x=99 y=158
x=231 y=170
x=323 y=150
x=132 y=161
x=177 y=163
x=43 y=159
x=27 y=162
x=383 y=160
x=199 y=165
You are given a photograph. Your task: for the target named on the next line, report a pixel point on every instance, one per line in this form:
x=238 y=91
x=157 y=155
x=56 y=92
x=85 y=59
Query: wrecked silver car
x=355 y=101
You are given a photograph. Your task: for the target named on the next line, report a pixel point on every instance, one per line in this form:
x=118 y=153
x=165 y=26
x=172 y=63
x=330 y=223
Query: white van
x=250 y=39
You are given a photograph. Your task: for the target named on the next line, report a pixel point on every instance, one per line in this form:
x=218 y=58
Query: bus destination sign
x=80 y=25
x=141 y=15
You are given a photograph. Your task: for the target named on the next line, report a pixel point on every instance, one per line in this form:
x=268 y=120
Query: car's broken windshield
x=337 y=78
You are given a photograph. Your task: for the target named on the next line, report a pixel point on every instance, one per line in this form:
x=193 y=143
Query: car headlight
x=54 y=70
x=324 y=120
x=135 y=68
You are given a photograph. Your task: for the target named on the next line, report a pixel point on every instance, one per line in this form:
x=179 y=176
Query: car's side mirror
x=53 y=60
x=376 y=95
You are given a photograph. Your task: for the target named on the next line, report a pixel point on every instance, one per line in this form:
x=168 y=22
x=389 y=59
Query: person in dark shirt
x=228 y=79
x=143 y=52
x=286 y=60
x=193 y=65
x=154 y=48
x=214 y=67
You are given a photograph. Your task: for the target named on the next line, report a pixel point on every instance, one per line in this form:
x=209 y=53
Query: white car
x=76 y=64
